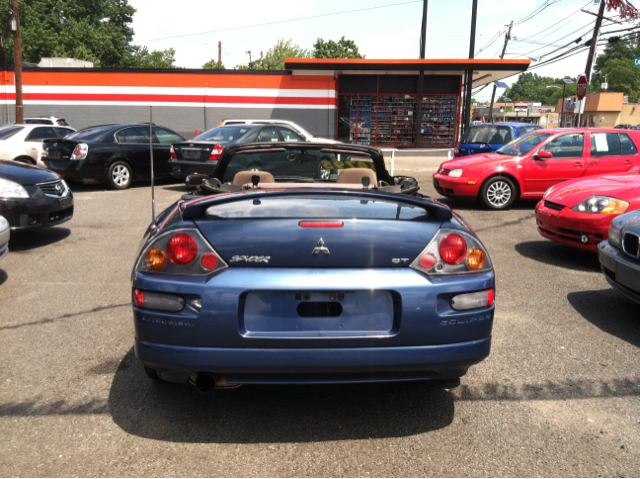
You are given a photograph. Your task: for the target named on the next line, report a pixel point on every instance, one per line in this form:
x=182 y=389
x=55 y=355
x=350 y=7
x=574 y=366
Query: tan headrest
x=244 y=177
x=355 y=175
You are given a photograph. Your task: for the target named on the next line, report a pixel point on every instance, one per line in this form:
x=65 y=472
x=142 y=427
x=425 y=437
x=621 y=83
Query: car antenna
x=153 y=196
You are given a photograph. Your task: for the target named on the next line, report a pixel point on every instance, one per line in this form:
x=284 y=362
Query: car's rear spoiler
x=197 y=208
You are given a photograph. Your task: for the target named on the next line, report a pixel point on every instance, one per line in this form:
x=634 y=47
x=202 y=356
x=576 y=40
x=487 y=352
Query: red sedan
x=578 y=212
x=528 y=166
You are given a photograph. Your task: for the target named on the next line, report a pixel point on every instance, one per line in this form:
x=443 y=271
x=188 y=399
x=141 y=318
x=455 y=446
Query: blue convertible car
x=309 y=264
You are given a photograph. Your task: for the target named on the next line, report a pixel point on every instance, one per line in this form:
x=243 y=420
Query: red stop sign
x=582 y=86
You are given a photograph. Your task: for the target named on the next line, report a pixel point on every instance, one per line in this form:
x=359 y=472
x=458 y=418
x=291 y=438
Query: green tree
x=143 y=58
x=93 y=30
x=340 y=49
x=623 y=76
x=213 y=65
x=626 y=49
x=533 y=88
x=274 y=58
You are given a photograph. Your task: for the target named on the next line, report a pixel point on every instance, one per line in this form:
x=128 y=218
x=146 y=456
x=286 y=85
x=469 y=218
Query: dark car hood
x=25 y=174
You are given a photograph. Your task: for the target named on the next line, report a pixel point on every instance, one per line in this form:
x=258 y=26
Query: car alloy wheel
x=120 y=175
x=499 y=193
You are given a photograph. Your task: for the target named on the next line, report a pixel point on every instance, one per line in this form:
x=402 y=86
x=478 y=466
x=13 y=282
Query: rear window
x=226 y=133
x=490 y=134
x=9 y=132
x=91 y=134
x=317 y=207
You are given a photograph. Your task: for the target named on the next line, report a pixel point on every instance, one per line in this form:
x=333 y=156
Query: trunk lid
x=58 y=150
x=350 y=231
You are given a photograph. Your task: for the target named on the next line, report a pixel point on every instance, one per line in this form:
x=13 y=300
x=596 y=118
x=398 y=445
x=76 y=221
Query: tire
x=119 y=176
x=324 y=173
x=498 y=193
x=26 y=160
x=151 y=373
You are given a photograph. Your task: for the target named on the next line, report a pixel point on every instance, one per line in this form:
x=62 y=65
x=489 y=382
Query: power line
x=550 y=27
x=280 y=21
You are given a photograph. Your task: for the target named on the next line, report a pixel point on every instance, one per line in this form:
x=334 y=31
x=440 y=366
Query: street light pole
x=17 y=46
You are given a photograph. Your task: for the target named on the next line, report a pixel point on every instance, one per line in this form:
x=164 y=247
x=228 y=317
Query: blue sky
x=388 y=29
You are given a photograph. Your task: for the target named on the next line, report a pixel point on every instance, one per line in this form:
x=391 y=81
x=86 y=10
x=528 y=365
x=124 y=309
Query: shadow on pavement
x=470 y=205
x=180 y=188
x=252 y=414
x=556 y=254
x=3 y=277
x=610 y=311
x=27 y=240
x=92 y=186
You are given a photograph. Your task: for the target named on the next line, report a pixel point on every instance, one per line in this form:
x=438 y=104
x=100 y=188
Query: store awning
x=484 y=70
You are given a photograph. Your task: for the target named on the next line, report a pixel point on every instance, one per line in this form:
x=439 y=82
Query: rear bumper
x=182 y=169
x=455 y=187
x=619 y=271
x=32 y=213
x=568 y=227
x=78 y=170
x=331 y=365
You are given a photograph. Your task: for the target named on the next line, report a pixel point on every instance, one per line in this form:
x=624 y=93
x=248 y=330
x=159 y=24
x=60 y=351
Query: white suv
x=294 y=126
x=46 y=120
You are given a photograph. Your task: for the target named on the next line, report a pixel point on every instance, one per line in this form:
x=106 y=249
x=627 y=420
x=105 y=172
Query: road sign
x=582 y=86
x=636 y=61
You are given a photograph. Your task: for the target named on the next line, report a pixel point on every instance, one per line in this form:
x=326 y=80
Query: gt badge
x=321 y=248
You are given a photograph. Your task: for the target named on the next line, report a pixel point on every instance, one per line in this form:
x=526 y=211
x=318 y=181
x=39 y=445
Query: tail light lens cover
x=172 y=153
x=80 y=152
x=158 y=301
x=216 y=153
x=453 y=251
x=180 y=252
x=467 y=301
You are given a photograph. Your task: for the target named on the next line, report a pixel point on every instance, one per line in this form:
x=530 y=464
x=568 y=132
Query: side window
x=532 y=128
x=290 y=135
x=628 y=148
x=605 y=144
x=269 y=133
x=62 y=132
x=137 y=134
x=522 y=131
x=566 y=146
x=166 y=137
x=41 y=133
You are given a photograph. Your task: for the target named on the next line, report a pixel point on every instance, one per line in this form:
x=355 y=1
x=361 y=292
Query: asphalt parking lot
x=558 y=396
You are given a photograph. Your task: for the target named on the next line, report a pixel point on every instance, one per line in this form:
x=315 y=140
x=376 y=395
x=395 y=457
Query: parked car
x=32 y=197
x=579 y=212
x=624 y=127
x=46 y=120
x=488 y=137
x=201 y=154
x=117 y=154
x=280 y=276
x=23 y=143
x=530 y=165
x=5 y=233
x=286 y=123
x=620 y=255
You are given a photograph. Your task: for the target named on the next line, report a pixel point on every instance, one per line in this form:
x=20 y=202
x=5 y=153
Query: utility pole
x=507 y=37
x=17 y=44
x=219 y=55
x=472 y=46
x=594 y=41
x=249 y=53
x=423 y=44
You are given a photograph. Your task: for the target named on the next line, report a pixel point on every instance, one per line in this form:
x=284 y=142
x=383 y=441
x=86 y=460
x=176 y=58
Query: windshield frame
x=509 y=150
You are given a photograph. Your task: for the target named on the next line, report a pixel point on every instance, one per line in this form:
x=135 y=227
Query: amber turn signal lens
x=475 y=259
x=156 y=259
x=615 y=207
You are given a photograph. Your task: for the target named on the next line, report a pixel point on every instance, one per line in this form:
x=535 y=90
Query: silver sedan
x=4 y=236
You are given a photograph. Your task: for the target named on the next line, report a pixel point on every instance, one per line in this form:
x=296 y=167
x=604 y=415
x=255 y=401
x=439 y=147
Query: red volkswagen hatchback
x=579 y=212
x=530 y=165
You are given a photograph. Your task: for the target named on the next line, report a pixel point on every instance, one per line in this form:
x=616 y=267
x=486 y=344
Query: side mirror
x=543 y=155
x=196 y=180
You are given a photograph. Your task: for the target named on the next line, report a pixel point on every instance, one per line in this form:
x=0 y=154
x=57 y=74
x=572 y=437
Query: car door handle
x=577 y=164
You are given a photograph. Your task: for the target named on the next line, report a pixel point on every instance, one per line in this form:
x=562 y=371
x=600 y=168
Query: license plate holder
x=54 y=154
x=190 y=154
x=65 y=203
x=628 y=277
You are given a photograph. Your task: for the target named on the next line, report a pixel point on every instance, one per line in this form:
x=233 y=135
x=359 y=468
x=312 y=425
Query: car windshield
x=8 y=132
x=91 y=133
x=308 y=165
x=524 y=144
x=224 y=133
x=489 y=134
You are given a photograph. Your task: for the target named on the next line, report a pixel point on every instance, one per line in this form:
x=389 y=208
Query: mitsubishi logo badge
x=321 y=248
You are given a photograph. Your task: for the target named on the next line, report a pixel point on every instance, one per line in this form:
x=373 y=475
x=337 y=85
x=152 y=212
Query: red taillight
x=209 y=261
x=456 y=151
x=172 y=153
x=491 y=296
x=216 y=153
x=321 y=224
x=453 y=249
x=182 y=248
x=138 y=297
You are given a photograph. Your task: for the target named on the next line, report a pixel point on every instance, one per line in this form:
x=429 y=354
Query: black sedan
x=201 y=154
x=620 y=255
x=117 y=154
x=32 y=197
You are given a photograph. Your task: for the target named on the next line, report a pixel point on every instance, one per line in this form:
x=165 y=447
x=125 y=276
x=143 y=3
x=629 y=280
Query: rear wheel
x=498 y=193
x=119 y=176
x=25 y=159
